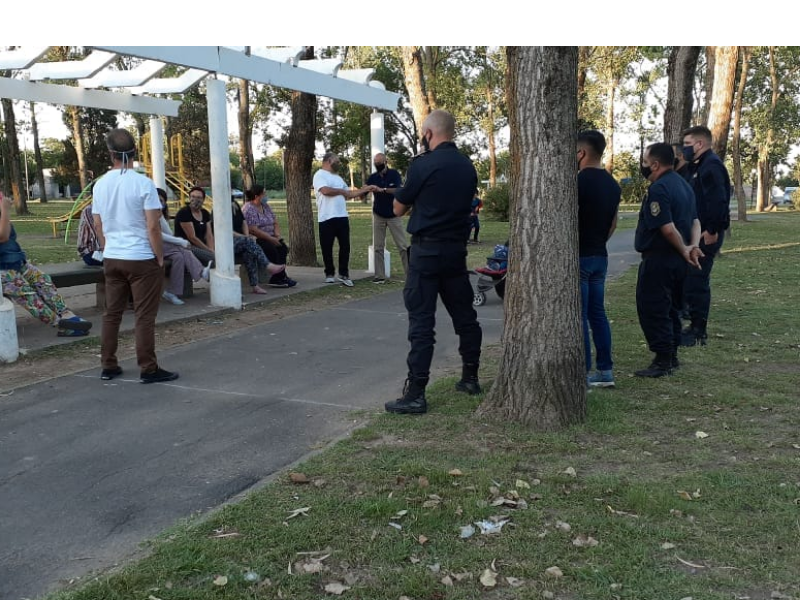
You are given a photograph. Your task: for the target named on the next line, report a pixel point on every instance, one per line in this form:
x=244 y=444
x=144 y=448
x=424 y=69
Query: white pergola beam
x=73 y=96
x=362 y=76
x=132 y=77
x=175 y=85
x=72 y=69
x=326 y=66
x=292 y=54
x=21 y=58
x=261 y=70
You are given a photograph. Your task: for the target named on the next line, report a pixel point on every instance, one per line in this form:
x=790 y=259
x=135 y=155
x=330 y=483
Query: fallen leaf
x=684 y=495
x=467 y=531
x=151 y=597
x=667 y=546
x=336 y=588
x=298 y=511
x=514 y=582
x=319 y=482
x=700 y=435
x=488 y=578
x=447 y=581
x=796 y=446
x=522 y=485
x=220 y=580
x=570 y=471
x=621 y=513
x=224 y=534
x=400 y=514
x=536 y=482
x=688 y=564
x=616 y=586
x=494 y=490
x=490 y=527
x=435 y=568
x=563 y=526
x=455 y=472
x=423 y=481
x=298 y=478
x=462 y=576
x=414 y=560
x=396 y=526
x=431 y=503
x=696 y=494
x=584 y=541
x=553 y=572
x=422 y=539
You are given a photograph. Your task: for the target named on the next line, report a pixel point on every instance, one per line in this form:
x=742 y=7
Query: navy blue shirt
x=382 y=203
x=598 y=200
x=440 y=185
x=712 y=191
x=11 y=255
x=668 y=200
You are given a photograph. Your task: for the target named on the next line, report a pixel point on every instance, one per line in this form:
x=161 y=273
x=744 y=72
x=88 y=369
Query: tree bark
x=415 y=85
x=738 y=179
x=542 y=381
x=490 y=135
x=77 y=136
x=681 y=67
x=37 y=154
x=711 y=58
x=298 y=159
x=764 y=167
x=246 y=161
x=12 y=142
x=612 y=92
x=719 y=119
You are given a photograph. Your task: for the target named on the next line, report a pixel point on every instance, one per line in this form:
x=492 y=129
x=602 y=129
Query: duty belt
x=424 y=239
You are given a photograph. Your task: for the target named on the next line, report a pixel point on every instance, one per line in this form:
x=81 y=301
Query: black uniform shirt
x=668 y=200
x=712 y=190
x=598 y=200
x=382 y=203
x=440 y=185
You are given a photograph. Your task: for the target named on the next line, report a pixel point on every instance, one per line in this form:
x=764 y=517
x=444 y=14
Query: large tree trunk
x=681 y=67
x=246 y=161
x=77 y=136
x=711 y=59
x=37 y=154
x=719 y=120
x=14 y=173
x=611 y=92
x=298 y=158
x=764 y=173
x=415 y=85
x=542 y=380
x=738 y=179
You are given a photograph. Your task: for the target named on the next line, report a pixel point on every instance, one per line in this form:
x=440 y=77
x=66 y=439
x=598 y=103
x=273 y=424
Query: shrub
x=496 y=201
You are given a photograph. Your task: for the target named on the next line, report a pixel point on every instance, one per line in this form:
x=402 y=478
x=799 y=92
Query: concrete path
x=90 y=469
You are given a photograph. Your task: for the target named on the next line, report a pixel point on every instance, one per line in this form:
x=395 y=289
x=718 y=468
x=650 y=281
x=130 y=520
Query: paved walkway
x=90 y=469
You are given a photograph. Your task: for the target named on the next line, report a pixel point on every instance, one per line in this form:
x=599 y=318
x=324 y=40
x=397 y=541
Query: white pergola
x=100 y=84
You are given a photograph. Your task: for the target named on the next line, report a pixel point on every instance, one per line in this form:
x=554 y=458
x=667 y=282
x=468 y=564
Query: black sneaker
x=158 y=376
x=413 y=401
x=657 y=368
x=109 y=374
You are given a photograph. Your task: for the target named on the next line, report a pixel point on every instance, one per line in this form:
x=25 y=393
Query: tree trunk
x=298 y=158
x=415 y=85
x=584 y=52
x=612 y=92
x=246 y=161
x=764 y=198
x=77 y=136
x=490 y=135
x=542 y=380
x=738 y=180
x=711 y=58
x=430 y=58
x=764 y=172
x=14 y=173
x=37 y=154
x=719 y=120
x=681 y=67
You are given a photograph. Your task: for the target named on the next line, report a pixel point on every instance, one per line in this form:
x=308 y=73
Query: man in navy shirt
x=598 y=202
x=383 y=217
x=667 y=235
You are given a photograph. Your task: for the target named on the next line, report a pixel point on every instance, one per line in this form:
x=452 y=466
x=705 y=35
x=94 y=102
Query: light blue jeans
x=595 y=321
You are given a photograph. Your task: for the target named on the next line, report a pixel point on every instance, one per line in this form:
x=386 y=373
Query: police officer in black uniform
x=667 y=235
x=712 y=190
x=439 y=186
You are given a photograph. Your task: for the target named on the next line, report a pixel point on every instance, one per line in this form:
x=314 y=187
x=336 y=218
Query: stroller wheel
x=479 y=299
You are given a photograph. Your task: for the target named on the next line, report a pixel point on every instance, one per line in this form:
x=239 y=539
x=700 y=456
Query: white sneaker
x=346 y=281
x=206 y=274
x=172 y=299
x=330 y=280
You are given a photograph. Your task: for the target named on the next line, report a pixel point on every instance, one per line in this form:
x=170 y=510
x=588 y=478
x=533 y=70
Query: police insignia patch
x=655 y=209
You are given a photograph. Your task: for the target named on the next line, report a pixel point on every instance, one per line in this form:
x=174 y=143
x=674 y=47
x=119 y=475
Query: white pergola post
x=226 y=288
x=157 y=151
x=377 y=145
x=9 y=343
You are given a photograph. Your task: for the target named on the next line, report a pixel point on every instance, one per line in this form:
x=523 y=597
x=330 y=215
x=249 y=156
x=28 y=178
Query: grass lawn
x=687 y=486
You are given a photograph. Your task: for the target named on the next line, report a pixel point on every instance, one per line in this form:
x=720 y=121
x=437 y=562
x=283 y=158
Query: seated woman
x=31 y=288
x=247 y=251
x=177 y=250
x=193 y=223
x=263 y=225
x=87 y=239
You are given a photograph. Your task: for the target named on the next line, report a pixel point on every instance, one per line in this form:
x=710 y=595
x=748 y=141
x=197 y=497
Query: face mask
x=335 y=167
x=646 y=171
x=688 y=153
x=196 y=203
x=380 y=167
x=264 y=201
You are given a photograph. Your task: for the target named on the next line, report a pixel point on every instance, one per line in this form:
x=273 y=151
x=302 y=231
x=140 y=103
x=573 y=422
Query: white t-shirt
x=121 y=199
x=329 y=207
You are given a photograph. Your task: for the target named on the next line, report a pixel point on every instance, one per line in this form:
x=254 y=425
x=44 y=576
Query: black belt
x=424 y=239
x=658 y=254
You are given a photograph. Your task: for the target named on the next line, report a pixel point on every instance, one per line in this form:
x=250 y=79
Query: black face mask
x=380 y=167
x=646 y=171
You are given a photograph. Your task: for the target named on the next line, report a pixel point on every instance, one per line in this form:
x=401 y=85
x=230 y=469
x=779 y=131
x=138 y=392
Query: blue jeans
x=593 y=282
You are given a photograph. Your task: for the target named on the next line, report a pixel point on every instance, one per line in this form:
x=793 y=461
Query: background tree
x=298 y=157
x=245 y=131
x=11 y=158
x=414 y=76
x=192 y=124
x=542 y=372
x=738 y=179
x=681 y=67
x=706 y=80
x=719 y=119
x=37 y=154
x=612 y=64
x=486 y=99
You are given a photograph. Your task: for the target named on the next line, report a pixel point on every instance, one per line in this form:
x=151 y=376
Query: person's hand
x=7 y=200
x=693 y=254
x=709 y=239
x=185 y=243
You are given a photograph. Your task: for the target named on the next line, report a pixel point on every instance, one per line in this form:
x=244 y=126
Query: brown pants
x=142 y=280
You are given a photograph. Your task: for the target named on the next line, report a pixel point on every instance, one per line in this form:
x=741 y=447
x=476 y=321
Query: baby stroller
x=493 y=275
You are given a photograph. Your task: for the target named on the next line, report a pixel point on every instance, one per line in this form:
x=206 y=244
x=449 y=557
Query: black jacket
x=712 y=191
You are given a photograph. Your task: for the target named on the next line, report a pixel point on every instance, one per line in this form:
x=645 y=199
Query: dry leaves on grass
x=488 y=578
x=336 y=588
x=298 y=512
x=700 y=435
x=554 y=572
x=584 y=541
x=433 y=501
x=455 y=472
x=570 y=471
x=220 y=580
x=298 y=478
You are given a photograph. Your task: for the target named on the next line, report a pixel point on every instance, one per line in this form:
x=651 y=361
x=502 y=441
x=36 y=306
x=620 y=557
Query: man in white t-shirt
x=127 y=213
x=332 y=195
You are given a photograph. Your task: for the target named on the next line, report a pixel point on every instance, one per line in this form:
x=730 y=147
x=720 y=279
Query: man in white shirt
x=127 y=213
x=332 y=195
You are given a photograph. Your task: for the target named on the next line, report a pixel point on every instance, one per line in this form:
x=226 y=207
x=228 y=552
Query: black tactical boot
x=469 y=380
x=413 y=401
x=675 y=363
x=694 y=335
x=661 y=366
